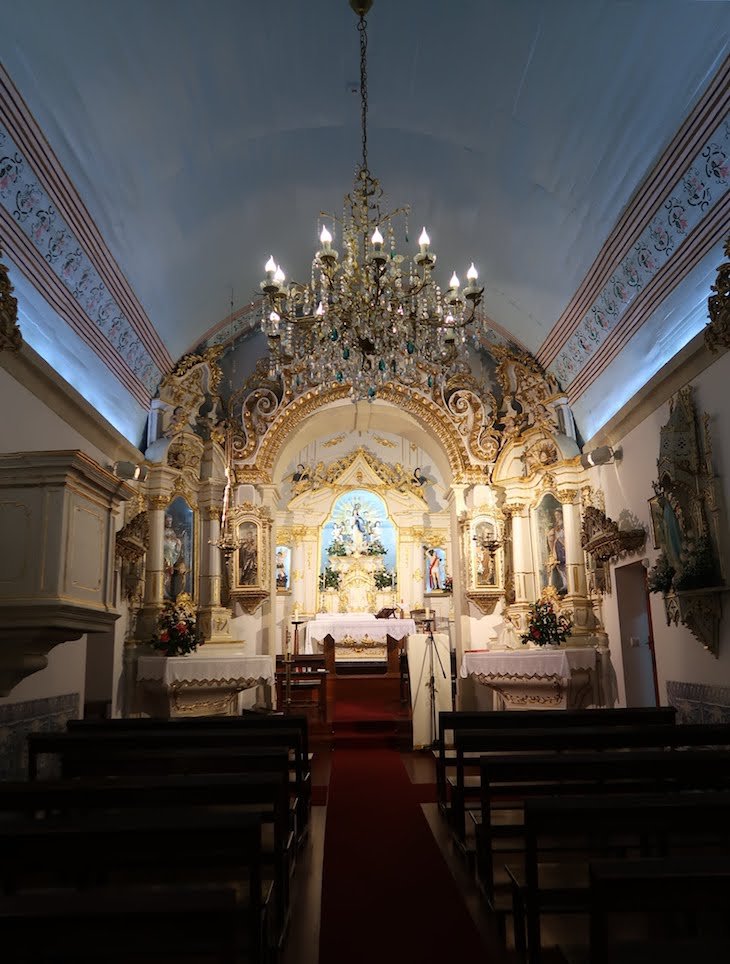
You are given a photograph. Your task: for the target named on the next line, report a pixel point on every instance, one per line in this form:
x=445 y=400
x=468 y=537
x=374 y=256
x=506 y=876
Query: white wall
x=627 y=485
x=29 y=424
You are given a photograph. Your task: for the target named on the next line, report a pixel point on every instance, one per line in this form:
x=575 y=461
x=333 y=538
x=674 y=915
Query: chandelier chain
x=362 y=28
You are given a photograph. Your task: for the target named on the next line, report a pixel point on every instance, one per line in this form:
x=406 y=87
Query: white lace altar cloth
x=242 y=672
x=531 y=663
x=355 y=630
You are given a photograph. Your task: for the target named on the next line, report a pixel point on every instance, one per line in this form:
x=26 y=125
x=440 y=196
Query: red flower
x=536 y=632
x=182 y=627
x=164 y=636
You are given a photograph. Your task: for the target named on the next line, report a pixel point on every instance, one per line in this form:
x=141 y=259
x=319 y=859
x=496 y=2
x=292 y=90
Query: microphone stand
x=431 y=643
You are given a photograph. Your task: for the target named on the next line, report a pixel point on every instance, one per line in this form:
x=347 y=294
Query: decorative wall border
x=44 y=211
x=693 y=210
x=670 y=170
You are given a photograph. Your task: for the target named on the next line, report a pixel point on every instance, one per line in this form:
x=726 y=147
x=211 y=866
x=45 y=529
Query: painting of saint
x=551 y=545
x=177 y=549
x=248 y=554
x=283 y=568
x=435 y=569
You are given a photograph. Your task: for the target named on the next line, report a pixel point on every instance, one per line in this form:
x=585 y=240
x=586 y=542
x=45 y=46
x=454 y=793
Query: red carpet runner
x=387 y=893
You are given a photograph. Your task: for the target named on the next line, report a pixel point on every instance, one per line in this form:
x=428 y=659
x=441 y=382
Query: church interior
x=363 y=375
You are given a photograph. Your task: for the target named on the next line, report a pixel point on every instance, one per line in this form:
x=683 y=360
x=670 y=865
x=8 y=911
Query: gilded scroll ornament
x=717 y=332
x=10 y=337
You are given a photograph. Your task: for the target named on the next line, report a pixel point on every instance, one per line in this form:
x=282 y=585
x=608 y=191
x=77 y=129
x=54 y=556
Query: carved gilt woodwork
x=603 y=541
x=686 y=515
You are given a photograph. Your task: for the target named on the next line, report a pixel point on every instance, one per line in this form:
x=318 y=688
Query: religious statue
x=434 y=570
x=557 y=575
x=248 y=557
x=172 y=547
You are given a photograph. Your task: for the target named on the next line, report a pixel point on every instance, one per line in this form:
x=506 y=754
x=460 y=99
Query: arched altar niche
x=358 y=551
x=548 y=528
x=178 y=550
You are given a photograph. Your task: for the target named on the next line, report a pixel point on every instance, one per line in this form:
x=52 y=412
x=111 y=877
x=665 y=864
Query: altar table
x=199 y=685
x=356 y=636
x=535 y=678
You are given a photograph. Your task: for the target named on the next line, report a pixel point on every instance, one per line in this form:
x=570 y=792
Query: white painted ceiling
x=204 y=136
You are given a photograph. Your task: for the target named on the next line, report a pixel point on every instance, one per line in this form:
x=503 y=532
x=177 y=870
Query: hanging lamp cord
x=362 y=28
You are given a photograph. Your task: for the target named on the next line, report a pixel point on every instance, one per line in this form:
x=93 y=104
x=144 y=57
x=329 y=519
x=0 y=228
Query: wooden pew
x=508 y=780
x=100 y=752
x=266 y=794
x=592 y=827
x=670 y=888
x=551 y=739
x=146 y=925
x=452 y=720
x=181 y=846
x=246 y=722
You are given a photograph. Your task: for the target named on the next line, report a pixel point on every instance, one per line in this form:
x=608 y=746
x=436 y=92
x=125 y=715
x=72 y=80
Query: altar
x=198 y=684
x=540 y=678
x=356 y=636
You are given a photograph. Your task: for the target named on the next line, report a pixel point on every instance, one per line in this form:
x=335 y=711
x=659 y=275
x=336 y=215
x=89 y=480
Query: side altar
x=541 y=678
x=200 y=684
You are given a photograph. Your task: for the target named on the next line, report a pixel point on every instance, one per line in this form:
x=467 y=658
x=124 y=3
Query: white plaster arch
x=343 y=416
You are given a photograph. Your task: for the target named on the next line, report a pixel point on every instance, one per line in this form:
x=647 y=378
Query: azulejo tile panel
x=699 y=702
x=17 y=720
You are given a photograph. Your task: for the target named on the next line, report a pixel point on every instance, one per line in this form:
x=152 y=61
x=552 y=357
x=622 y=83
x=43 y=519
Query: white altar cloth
x=345 y=627
x=242 y=672
x=418 y=650
x=537 y=678
x=528 y=663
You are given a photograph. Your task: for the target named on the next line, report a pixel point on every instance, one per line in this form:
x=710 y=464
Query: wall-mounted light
x=600 y=456
x=130 y=471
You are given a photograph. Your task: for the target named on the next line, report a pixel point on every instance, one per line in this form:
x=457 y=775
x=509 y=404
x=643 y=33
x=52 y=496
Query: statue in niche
x=556 y=567
x=177 y=544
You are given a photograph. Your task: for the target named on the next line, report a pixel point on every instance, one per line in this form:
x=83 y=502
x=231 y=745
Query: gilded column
x=298 y=596
x=215 y=620
x=576 y=599
x=522 y=564
x=154 y=568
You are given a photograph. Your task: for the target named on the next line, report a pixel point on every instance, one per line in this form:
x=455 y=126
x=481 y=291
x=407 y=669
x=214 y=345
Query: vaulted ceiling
x=153 y=153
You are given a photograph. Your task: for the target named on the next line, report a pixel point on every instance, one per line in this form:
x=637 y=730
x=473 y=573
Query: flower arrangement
x=329 y=579
x=449 y=584
x=546 y=627
x=385 y=579
x=177 y=630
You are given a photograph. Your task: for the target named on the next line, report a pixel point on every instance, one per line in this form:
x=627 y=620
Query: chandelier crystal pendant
x=367 y=318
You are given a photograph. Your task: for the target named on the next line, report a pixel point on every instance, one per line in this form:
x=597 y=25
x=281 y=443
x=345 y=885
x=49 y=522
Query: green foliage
x=698 y=566
x=329 y=579
x=660 y=575
x=177 y=631
x=546 y=626
x=385 y=579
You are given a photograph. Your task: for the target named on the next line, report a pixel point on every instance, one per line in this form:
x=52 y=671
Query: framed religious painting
x=178 y=550
x=251 y=569
x=483 y=552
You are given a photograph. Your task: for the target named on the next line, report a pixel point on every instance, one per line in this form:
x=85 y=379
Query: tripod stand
x=431 y=643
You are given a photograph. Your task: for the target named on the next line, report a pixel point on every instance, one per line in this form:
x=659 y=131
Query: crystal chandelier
x=366 y=318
